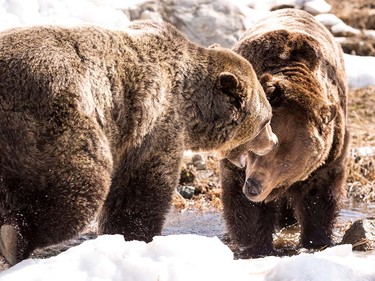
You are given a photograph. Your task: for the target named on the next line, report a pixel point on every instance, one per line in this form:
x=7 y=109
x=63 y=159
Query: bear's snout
x=253 y=187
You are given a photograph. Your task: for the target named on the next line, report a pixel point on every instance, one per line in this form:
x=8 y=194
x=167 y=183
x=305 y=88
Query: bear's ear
x=274 y=89
x=230 y=86
x=328 y=113
x=228 y=82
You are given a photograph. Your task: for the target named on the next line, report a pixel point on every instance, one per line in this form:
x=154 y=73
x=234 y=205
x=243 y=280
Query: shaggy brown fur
x=301 y=69
x=89 y=115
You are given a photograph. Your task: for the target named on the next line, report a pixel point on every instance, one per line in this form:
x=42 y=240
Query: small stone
x=199 y=162
x=178 y=201
x=186 y=191
x=197 y=157
x=361 y=235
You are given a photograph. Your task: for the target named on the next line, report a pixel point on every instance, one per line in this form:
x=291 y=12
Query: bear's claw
x=8 y=243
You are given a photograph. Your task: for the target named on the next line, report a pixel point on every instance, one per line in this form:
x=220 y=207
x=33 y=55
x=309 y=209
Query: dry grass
x=361 y=124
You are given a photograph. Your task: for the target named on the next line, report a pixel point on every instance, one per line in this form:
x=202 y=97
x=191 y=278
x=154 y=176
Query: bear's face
x=229 y=111
x=254 y=133
x=305 y=133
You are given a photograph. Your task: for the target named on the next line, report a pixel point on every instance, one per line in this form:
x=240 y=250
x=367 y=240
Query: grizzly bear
x=95 y=122
x=301 y=69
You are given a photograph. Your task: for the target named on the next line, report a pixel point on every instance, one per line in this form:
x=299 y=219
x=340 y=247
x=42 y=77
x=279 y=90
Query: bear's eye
x=276 y=97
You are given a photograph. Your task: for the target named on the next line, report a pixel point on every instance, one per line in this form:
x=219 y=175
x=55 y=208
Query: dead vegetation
x=361 y=164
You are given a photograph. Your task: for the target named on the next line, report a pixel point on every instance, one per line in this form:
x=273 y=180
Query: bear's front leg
x=142 y=189
x=55 y=206
x=317 y=201
x=250 y=224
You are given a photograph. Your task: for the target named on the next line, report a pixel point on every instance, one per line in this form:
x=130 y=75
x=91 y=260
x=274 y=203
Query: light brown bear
x=89 y=115
x=301 y=69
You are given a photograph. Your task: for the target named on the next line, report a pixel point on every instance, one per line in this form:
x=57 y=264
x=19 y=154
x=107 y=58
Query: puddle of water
x=210 y=223
x=353 y=210
x=207 y=223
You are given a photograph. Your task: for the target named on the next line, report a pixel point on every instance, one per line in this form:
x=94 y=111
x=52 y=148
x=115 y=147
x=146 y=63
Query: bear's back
x=291 y=36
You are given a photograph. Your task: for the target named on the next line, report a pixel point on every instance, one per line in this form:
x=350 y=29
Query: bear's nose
x=252 y=187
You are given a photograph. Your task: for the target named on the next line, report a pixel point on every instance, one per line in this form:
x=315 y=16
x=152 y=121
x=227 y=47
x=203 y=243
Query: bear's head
x=229 y=110
x=303 y=121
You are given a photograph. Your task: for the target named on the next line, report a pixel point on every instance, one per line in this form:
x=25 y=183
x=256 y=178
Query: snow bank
x=64 y=12
x=337 y=25
x=186 y=257
x=360 y=70
x=180 y=257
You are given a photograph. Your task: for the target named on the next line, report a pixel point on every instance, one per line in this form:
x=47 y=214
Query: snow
x=176 y=257
x=360 y=70
x=187 y=257
x=366 y=151
x=64 y=12
x=337 y=25
x=109 y=13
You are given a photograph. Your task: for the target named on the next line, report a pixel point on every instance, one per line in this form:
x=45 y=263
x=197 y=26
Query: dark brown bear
x=89 y=115
x=301 y=69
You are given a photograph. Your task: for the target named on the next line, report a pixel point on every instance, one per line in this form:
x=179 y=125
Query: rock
x=178 y=201
x=352 y=40
x=337 y=26
x=149 y=10
x=186 y=191
x=314 y=7
x=196 y=157
x=359 y=14
x=203 y=21
x=360 y=46
x=199 y=162
x=361 y=235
